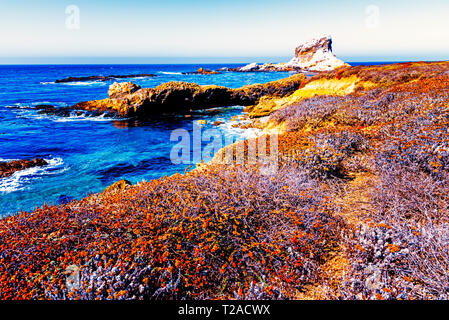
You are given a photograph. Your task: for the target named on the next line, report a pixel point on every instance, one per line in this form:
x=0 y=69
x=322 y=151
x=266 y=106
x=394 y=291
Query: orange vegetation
x=358 y=209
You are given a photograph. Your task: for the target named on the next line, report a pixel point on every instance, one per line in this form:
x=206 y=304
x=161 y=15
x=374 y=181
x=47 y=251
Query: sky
x=190 y=31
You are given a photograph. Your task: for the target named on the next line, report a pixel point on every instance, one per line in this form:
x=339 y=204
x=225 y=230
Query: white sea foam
x=24 y=106
x=248 y=133
x=84 y=83
x=30 y=113
x=7 y=160
x=168 y=72
x=75 y=83
x=19 y=180
x=100 y=118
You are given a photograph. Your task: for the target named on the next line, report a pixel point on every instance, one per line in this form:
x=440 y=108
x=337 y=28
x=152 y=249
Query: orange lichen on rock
x=128 y=99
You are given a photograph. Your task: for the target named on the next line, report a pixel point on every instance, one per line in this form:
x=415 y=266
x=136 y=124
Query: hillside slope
x=358 y=208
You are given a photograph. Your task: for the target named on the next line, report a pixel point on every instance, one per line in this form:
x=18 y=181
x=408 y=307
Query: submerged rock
x=314 y=55
x=128 y=99
x=8 y=168
x=52 y=110
x=202 y=71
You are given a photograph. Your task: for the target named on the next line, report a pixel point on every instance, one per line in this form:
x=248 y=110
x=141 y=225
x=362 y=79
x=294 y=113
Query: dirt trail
x=354 y=204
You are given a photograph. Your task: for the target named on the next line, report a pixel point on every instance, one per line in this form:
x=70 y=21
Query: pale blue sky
x=165 y=31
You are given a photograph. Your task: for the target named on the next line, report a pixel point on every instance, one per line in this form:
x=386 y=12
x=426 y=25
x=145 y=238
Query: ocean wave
x=168 y=72
x=84 y=83
x=32 y=114
x=241 y=133
x=74 y=117
x=19 y=180
x=7 y=160
x=32 y=105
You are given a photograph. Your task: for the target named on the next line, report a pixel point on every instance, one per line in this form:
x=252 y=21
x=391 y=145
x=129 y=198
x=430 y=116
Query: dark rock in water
x=63 y=199
x=52 y=110
x=129 y=100
x=56 y=111
x=103 y=78
x=8 y=168
x=67 y=112
x=94 y=113
x=202 y=71
x=45 y=109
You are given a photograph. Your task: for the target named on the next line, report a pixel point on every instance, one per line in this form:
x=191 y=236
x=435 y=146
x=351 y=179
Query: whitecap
x=83 y=117
x=168 y=72
x=19 y=180
x=84 y=83
x=241 y=133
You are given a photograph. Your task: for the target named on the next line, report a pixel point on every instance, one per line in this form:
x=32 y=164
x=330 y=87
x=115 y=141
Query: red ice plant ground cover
x=239 y=232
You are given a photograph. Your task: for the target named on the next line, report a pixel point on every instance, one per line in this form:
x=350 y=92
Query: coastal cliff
x=129 y=99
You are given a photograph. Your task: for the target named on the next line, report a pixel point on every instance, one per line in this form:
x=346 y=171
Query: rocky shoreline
x=127 y=99
x=9 y=168
x=357 y=148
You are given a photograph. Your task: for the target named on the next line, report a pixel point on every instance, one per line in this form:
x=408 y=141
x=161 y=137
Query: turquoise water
x=87 y=154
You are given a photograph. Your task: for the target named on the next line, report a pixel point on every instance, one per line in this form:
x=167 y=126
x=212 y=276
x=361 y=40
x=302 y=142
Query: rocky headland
x=127 y=99
x=315 y=56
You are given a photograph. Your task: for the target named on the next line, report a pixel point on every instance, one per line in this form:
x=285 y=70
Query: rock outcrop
x=118 y=89
x=129 y=100
x=314 y=55
x=117 y=186
x=202 y=71
x=8 y=168
x=104 y=78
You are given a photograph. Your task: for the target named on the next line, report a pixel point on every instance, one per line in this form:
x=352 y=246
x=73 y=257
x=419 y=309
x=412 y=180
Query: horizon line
x=349 y=61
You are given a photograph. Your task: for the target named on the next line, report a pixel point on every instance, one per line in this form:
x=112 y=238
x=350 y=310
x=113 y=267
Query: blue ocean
x=86 y=154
